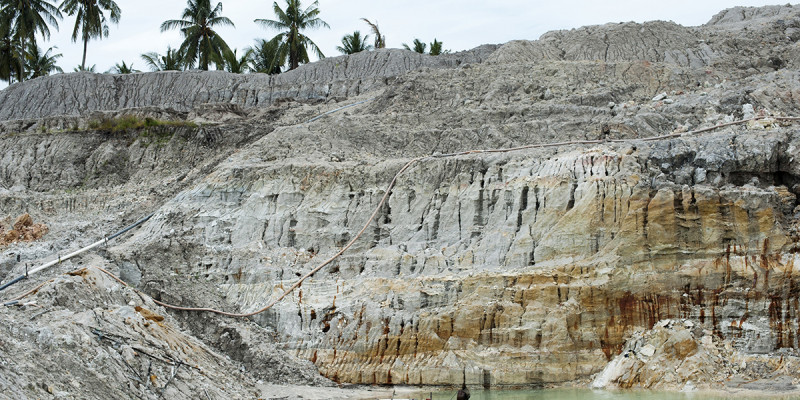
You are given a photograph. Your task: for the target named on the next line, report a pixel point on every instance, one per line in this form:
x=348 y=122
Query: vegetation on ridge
x=293 y=21
x=266 y=57
x=420 y=47
x=171 y=61
x=22 y=22
x=202 y=44
x=132 y=122
x=380 y=40
x=354 y=43
x=90 y=19
x=40 y=63
x=122 y=68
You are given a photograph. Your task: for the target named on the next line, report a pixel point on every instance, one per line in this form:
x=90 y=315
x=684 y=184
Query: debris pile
x=106 y=338
x=23 y=230
x=678 y=355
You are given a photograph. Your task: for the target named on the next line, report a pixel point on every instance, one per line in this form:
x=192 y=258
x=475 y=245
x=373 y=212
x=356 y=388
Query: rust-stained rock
x=531 y=267
x=676 y=354
x=23 y=221
x=24 y=229
x=149 y=315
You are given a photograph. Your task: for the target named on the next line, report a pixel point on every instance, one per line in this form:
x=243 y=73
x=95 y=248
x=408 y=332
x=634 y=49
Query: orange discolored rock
x=149 y=315
x=23 y=221
x=23 y=229
x=685 y=348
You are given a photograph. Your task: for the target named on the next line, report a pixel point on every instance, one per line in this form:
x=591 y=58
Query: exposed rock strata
x=523 y=268
x=82 y=93
x=471 y=257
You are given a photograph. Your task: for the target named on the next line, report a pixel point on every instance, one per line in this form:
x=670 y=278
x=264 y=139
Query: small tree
x=292 y=21
x=201 y=44
x=380 y=40
x=268 y=57
x=419 y=46
x=39 y=63
x=171 y=61
x=354 y=43
x=235 y=64
x=436 y=48
x=122 y=68
x=81 y=68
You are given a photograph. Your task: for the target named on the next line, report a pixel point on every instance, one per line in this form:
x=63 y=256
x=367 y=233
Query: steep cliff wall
x=521 y=268
x=525 y=269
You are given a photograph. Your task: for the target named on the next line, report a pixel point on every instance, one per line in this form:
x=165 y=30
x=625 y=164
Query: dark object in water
x=463 y=393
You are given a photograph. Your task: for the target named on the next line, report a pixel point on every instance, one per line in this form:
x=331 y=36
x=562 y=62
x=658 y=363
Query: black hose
x=15 y=280
x=106 y=239
x=134 y=225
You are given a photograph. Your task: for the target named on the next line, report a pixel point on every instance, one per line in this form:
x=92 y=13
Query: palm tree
x=81 y=68
x=171 y=61
x=419 y=46
x=380 y=40
x=9 y=53
x=235 y=64
x=436 y=48
x=90 y=19
x=293 y=20
x=26 y=18
x=267 y=57
x=41 y=64
x=354 y=43
x=122 y=68
x=201 y=43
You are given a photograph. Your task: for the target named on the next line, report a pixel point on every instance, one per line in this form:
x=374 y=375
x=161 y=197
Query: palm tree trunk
x=85 y=43
x=293 y=58
x=21 y=61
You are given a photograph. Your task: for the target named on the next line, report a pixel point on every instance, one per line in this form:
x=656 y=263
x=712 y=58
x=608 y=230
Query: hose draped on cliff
x=68 y=256
x=375 y=212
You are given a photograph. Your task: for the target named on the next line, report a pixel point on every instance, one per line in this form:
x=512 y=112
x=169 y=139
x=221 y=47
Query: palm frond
x=292 y=21
x=173 y=24
x=201 y=45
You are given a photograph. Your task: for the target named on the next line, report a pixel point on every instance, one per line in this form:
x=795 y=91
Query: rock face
x=521 y=268
x=81 y=93
x=679 y=354
x=543 y=262
x=83 y=335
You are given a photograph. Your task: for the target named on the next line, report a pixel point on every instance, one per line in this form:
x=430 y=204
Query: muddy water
x=586 y=394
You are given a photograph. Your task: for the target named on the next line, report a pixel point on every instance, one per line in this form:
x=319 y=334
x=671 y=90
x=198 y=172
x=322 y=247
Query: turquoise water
x=583 y=394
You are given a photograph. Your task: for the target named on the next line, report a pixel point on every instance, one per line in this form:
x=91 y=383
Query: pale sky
x=459 y=24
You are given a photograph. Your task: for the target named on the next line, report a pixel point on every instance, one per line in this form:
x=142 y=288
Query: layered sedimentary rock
x=520 y=268
x=524 y=269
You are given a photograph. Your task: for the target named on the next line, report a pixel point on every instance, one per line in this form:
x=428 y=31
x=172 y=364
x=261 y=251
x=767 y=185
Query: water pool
x=588 y=394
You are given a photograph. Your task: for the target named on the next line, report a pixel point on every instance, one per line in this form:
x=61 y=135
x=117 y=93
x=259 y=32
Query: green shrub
x=131 y=122
x=127 y=122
